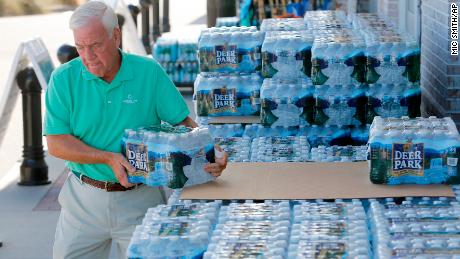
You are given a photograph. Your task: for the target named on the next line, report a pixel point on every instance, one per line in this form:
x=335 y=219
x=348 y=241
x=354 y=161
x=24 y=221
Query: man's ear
x=116 y=35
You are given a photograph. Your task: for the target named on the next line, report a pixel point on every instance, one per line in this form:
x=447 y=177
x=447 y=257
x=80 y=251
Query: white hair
x=94 y=10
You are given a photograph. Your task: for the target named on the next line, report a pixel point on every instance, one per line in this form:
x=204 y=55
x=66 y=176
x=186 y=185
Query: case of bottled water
x=339 y=105
x=392 y=57
x=227 y=21
x=168 y=156
x=227 y=95
x=338 y=210
x=230 y=49
x=334 y=229
x=251 y=229
x=269 y=210
x=418 y=228
x=230 y=138
x=186 y=210
x=310 y=249
x=243 y=249
x=338 y=153
x=338 y=57
x=280 y=149
x=311 y=17
x=237 y=148
x=287 y=54
x=286 y=102
x=167 y=238
x=272 y=235
x=393 y=100
x=285 y=24
x=419 y=151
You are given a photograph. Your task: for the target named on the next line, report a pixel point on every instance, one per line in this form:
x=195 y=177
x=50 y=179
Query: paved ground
x=28 y=215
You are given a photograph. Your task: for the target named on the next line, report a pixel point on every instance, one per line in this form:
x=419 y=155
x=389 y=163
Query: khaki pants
x=91 y=218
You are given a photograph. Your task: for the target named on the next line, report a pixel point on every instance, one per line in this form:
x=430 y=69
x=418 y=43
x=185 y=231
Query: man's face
x=97 y=51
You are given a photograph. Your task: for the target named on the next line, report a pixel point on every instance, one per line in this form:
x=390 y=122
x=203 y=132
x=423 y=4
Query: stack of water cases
x=180 y=230
x=230 y=138
x=178 y=58
x=392 y=68
x=417 y=228
x=257 y=143
x=168 y=156
x=329 y=230
x=251 y=230
x=229 y=84
x=420 y=151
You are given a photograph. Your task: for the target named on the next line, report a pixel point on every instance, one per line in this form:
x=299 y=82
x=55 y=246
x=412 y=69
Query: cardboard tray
x=234 y=119
x=262 y=181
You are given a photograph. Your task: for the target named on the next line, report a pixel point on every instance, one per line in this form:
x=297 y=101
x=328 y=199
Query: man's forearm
x=70 y=148
x=188 y=122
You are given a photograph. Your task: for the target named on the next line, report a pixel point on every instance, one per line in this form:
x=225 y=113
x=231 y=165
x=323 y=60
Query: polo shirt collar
x=125 y=73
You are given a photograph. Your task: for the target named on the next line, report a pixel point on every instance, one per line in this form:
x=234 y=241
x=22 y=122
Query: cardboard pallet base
x=263 y=181
x=234 y=119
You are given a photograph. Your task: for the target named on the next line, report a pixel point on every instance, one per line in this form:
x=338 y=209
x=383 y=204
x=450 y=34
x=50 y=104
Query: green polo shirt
x=96 y=112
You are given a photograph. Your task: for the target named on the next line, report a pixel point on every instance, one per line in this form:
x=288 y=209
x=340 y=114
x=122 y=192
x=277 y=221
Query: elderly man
x=90 y=101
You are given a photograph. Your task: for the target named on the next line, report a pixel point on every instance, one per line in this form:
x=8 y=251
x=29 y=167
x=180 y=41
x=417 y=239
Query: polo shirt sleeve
x=57 y=102
x=170 y=104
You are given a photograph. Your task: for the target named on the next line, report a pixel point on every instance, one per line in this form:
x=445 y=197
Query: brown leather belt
x=107 y=186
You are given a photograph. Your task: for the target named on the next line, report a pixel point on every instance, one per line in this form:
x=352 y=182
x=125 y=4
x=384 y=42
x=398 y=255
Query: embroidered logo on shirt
x=130 y=100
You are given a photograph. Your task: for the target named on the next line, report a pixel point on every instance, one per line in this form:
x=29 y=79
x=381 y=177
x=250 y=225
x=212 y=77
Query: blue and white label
x=224 y=100
x=407 y=159
x=138 y=157
x=226 y=54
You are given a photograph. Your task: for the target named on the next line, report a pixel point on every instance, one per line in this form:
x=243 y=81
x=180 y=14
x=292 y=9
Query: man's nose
x=88 y=53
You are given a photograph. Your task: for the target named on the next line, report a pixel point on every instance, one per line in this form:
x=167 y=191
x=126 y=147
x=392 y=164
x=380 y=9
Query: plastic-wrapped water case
x=414 y=151
x=169 y=156
x=230 y=49
x=329 y=211
x=227 y=95
x=338 y=58
x=338 y=153
x=243 y=249
x=287 y=102
x=189 y=210
x=418 y=228
x=237 y=148
x=251 y=230
x=255 y=211
x=330 y=249
x=280 y=149
x=166 y=238
x=286 y=54
x=285 y=24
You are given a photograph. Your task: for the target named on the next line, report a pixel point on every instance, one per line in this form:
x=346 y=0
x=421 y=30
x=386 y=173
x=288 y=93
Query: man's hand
x=215 y=169
x=120 y=166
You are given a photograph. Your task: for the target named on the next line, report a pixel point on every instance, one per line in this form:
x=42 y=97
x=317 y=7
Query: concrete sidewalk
x=28 y=215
